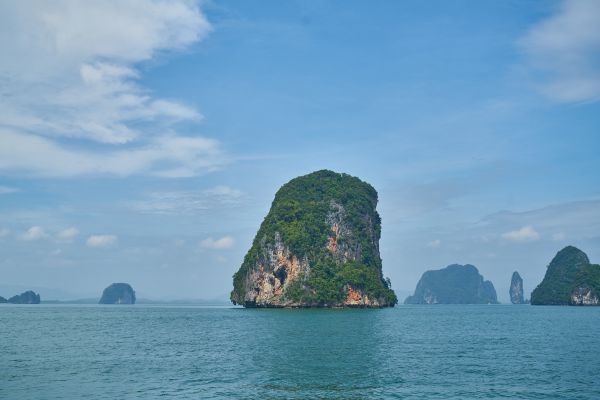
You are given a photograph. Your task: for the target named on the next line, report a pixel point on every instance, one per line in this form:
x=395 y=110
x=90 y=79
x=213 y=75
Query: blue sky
x=145 y=143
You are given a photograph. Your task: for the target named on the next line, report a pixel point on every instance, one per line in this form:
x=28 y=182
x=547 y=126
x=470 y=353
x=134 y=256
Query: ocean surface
x=412 y=352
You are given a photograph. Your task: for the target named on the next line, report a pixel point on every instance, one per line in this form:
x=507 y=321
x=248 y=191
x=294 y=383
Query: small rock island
x=516 y=289
x=455 y=284
x=317 y=247
x=118 y=293
x=28 y=297
x=570 y=280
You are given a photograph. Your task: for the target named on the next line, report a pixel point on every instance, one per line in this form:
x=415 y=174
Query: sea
x=195 y=352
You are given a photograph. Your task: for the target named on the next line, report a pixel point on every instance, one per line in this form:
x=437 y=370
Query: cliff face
x=3 y=300
x=118 y=293
x=455 y=284
x=317 y=247
x=570 y=280
x=28 y=297
x=516 y=289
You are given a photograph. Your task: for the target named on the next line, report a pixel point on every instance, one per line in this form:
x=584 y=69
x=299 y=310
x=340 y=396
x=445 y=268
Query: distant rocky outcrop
x=118 y=293
x=516 y=289
x=317 y=247
x=28 y=297
x=3 y=300
x=455 y=284
x=570 y=280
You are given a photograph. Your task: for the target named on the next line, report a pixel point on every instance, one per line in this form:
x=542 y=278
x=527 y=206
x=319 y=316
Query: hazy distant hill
x=455 y=284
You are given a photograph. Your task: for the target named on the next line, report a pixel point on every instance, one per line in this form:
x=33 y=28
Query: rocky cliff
x=317 y=247
x=516 y=289
x=570 y=280
x=118 y=293
x=455 y=284
x=28 y=297
x=3 y=300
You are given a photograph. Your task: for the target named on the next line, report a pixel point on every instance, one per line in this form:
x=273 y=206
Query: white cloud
x=525 y=234
x=187 y=202
x=578 y=220
x=7 y=190
x=564 y=52
x=68 y=234
x=434 y=243
x=226 y=242
x=101 y=240
x=69 y=70
x=167 y=156
x=34 y=233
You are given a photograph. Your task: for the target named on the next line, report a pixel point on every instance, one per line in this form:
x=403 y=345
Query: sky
x=143 y=142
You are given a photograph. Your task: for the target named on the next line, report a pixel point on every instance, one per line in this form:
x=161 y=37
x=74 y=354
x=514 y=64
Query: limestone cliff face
x=516 y=289
x=584 y=295
x=276 y=269
x=317 y=247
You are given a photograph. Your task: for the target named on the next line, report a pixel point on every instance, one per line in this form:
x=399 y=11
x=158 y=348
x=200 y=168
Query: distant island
x=570 y=280
x=118 y=293
x=455 y=284
x=317 y=247
x=516 y=289
x=28 y=297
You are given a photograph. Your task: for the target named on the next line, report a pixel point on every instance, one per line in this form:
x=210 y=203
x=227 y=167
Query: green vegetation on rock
x=307 y=214
x=569 y=279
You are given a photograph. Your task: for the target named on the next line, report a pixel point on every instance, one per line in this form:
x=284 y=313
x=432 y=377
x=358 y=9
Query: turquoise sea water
x=413 y=352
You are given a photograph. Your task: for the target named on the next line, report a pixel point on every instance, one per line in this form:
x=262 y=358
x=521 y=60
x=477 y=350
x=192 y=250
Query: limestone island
x=516 y=289
x=318 y=246
x=455 y=284
x=570 y=280
x=28 y=297
x=118 y=293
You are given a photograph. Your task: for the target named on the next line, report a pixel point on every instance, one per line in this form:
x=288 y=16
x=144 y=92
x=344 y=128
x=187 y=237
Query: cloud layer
x=7 y=190
x=524 y=234
x=69 y=78
x=34 y=233
x=188 y=202
x=101 y=240
x=563 y=52
x=226 y=242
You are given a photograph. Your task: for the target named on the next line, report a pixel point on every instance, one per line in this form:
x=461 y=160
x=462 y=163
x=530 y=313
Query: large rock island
x=570 y=280
x=516 y=289
x=455 y=284
x=28 y=297
x=118 y=293
x=317 y=247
